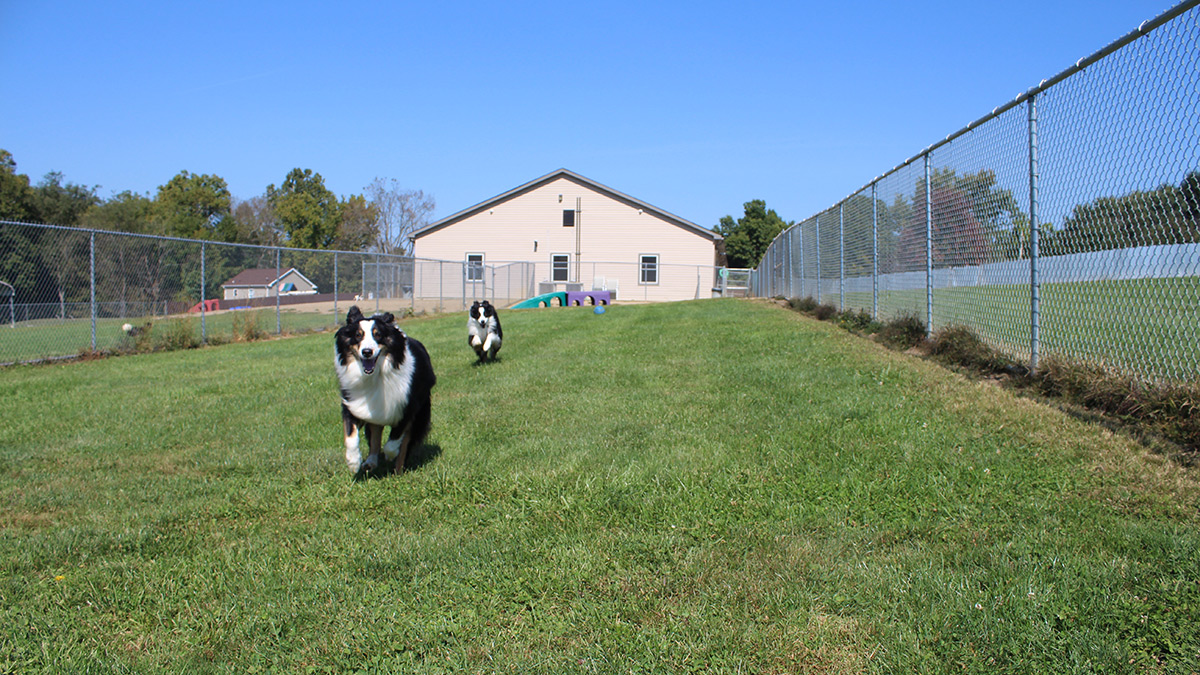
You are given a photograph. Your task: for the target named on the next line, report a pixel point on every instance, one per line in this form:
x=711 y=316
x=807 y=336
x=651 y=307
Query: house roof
x=262 y=277
x=580 y=180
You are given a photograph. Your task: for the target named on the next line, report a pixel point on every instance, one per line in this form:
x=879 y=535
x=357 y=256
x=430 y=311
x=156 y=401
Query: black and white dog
x=483 y=330
x=386 y=378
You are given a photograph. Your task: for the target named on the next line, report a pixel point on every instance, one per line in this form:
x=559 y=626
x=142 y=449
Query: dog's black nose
x=367 y=352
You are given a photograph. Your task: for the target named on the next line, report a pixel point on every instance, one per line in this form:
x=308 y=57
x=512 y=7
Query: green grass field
x=717 y=486
x=33 y=340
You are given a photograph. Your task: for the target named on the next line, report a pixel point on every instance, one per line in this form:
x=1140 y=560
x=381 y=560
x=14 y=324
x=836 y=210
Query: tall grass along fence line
x=65 y=291
x=1065 y=223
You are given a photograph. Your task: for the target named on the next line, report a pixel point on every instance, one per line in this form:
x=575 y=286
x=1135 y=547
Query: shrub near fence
x=1103 y=158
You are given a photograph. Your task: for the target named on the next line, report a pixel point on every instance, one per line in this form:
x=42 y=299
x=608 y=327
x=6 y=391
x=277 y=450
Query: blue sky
x=695 y=107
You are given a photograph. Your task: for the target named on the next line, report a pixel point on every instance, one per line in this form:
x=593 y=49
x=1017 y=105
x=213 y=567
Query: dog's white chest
x=378 y=398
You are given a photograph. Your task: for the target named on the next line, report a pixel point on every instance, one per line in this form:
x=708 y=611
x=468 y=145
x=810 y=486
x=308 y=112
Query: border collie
x=483 y=330
x=386 y=378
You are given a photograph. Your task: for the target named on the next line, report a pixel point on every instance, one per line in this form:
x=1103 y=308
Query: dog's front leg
x=351 y=427
x=375 y=443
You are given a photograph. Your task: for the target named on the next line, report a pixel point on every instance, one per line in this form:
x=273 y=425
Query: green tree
x=256 y=222
x=60 y=203
x=16 y=197
x=194 y=206
x=1165 y=215
x=358 y=229
x=124 y=212
x=306 y=210
x=747 y=238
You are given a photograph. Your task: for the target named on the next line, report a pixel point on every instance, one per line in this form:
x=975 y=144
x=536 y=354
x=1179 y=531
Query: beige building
x=572 y=233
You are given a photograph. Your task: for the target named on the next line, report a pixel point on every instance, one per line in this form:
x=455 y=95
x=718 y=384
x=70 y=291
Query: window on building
x=474 y=267
x=568 y=218
x=560 y=267
x=649 y=269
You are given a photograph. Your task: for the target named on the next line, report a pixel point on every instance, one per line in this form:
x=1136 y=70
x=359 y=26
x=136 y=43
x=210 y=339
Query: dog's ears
x=386 y=317
x=354 y=315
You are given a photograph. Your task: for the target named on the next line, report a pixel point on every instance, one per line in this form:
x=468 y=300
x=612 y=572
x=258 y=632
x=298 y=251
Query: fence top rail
x=163 y=237
x=1142 y=30
x=394 y=257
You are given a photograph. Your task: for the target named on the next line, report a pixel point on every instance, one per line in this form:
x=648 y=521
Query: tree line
x=299 y=213
x=974 y=221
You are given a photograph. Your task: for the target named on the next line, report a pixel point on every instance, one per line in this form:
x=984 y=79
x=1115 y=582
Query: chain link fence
x=1065 y=223
x=66 y=291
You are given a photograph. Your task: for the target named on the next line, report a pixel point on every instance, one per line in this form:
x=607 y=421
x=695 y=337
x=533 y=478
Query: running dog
x=483 y=330
x=386 y=378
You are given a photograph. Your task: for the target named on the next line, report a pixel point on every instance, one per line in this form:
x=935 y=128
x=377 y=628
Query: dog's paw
x=370 y=466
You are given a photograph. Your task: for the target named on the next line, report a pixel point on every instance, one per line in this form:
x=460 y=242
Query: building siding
x=612 y=235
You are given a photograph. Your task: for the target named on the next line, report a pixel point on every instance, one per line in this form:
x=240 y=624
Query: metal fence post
x=1035 y=327
x=928 y=251
x=92 y=276
x=874 y=255
x=818 y=222
x=278 y=287
x=842 y=256
x=802 y=260
x=203 y=314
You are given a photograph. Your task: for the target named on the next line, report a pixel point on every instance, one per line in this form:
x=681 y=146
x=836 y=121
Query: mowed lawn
x=719 y=486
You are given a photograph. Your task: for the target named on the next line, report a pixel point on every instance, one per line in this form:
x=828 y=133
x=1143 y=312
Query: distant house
x=266 y=283
x=578 y=234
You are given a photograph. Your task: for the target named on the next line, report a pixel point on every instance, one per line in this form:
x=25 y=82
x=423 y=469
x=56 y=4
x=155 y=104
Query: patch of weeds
x=136 y=339
x=180 y=334
x=824 y=312
x=902 y=333
x=1166 y=409
x=246 y=328
x=804 y=305
x=859 y=322
x=959 y=346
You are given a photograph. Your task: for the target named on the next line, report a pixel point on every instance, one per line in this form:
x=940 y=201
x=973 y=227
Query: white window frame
x=566 y=267
x=472 y=272
x=643 y=267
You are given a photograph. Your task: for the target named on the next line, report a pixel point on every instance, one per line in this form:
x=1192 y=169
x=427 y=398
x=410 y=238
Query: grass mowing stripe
x=717 y=486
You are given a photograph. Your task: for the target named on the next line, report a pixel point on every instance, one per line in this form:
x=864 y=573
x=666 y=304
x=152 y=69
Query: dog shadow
x=424 y=454
x=479 y=363
x=416 y=460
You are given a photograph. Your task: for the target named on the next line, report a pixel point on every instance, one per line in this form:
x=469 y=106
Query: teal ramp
x=543 y=299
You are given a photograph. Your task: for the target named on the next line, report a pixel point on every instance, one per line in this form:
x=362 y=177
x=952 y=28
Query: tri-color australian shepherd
x=483 y=330
x=386 y=378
